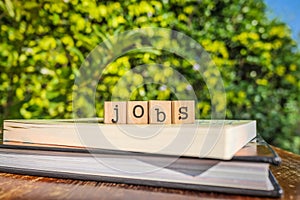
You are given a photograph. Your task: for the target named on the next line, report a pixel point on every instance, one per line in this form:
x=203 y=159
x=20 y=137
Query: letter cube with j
x=183 y=112
x=137 y=112
x=159 y=112
x=115 y=112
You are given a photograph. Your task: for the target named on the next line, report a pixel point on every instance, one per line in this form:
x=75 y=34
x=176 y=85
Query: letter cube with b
x=115 y=112
x=183 y=112
x=137 y=112
x=159 y=112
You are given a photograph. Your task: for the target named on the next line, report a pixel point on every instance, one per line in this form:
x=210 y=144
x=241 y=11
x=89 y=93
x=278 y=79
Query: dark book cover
x=246 y=174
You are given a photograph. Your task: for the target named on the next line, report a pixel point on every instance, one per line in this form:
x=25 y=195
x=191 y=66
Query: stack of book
x=216 y=156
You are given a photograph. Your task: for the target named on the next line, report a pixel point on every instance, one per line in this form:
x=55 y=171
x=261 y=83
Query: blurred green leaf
x=43 y=45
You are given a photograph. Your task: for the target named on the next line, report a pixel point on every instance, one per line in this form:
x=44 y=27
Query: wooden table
x=14 y=186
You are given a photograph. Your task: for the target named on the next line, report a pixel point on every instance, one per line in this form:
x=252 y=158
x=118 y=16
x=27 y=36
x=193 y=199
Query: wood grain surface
x=13 y=186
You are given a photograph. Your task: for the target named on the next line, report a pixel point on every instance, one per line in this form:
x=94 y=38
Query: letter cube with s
x=183 y=112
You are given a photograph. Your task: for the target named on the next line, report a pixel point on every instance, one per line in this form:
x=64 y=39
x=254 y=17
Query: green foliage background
x=43 y=43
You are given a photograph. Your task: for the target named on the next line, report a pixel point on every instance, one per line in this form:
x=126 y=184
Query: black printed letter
x=142 y=111
x=160 y=113
x=183 y=111
x=117 y=115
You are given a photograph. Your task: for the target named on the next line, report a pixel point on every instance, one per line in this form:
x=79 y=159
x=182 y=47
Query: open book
x=219 y=139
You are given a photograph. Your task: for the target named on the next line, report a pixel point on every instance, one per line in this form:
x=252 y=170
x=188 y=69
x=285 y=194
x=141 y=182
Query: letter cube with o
x=137 y=112
x=115 y=112
x=183 y=112
x=159 y=112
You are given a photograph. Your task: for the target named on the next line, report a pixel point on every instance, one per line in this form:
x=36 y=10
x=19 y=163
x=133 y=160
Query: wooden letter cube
x=159 y=112
x=183 y=112
x=137 y=112
x=115 y=112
